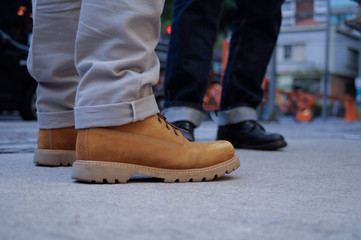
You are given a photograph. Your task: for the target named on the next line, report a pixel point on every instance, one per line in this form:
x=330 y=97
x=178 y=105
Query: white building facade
x=301 y=51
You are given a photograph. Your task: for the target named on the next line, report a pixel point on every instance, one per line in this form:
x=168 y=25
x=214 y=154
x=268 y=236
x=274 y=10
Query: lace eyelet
x=167 y=127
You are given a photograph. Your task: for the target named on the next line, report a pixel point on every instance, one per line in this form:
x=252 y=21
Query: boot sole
x=111 y=172
x=54 y=158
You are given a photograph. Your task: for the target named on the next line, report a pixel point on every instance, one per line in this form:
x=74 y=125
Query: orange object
x=225 y=51
x=296 y=102
x=350 y=107
x=265 y=85
x=304 y=115
x=212 y=98
x=305 y=102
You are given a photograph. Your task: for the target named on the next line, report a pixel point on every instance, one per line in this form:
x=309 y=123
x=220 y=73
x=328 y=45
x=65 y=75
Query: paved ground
x=309 y=190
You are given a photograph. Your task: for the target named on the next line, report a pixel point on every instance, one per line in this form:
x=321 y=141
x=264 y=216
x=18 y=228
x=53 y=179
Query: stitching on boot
x=51 y=138
x=86 y=144
x=132 y=136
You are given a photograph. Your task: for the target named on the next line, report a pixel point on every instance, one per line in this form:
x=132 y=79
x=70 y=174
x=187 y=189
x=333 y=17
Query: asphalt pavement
x=309 y=190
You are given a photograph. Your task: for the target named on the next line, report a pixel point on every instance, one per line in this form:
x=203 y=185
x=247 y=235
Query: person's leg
x=255 y=31
x=51 y=63
x=254 y=35
x=120 y=131
x=117 y=63
x=194 y=31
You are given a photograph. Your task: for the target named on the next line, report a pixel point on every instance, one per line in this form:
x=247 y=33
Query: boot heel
x=87 y=171
x=49 y=157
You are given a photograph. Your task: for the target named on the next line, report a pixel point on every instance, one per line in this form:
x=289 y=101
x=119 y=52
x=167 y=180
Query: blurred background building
x=301 y=51
x=300 y=56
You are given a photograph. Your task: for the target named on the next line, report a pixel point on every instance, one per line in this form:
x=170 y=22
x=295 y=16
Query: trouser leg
x=51 y=60
x=254 y=35
x=116 y=61
x=194 y=31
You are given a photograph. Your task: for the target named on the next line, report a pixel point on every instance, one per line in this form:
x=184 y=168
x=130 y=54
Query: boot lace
x=256 y=125
x=168 y=125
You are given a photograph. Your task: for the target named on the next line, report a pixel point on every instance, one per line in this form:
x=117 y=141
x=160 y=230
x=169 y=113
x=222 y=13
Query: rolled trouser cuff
x=236 y=115
x=115 y=114
x=175 y=114
x=51 y=120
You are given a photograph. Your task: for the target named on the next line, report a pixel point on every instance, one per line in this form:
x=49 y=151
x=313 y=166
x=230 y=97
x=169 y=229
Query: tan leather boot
x=56 y=147
x=152 y=147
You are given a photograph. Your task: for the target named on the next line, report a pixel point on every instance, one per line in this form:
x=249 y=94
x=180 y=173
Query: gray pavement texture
x=309 y=190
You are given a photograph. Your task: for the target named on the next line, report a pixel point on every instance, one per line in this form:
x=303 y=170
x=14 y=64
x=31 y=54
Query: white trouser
x=94 y=61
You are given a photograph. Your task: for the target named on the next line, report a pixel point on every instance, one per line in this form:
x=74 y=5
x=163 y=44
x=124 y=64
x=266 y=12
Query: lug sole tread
x=54 y=158
x=113 y=172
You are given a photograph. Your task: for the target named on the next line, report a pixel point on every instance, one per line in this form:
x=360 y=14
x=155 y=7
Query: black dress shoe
x=250 y=134
x=186 y=128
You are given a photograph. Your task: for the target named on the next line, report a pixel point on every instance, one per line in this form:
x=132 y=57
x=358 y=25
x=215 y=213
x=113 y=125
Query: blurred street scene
x=315 y=70
x=308 y=190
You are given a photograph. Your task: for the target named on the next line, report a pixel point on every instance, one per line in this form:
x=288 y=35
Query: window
x=320 y=6
x=298 y=53
x=289 y=9
x=320 y=10
x=352 y=61
x=291 y=53
x=287 y=52
x=287 y=6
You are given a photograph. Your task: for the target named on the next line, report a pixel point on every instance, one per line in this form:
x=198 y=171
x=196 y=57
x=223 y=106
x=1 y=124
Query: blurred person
x=95 y=64
x=255 y=30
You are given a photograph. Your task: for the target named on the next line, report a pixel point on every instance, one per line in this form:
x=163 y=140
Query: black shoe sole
x=269 y=146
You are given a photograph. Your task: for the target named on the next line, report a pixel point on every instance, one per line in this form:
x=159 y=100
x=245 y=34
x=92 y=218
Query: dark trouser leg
x=255 y=30
x=194 y=32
